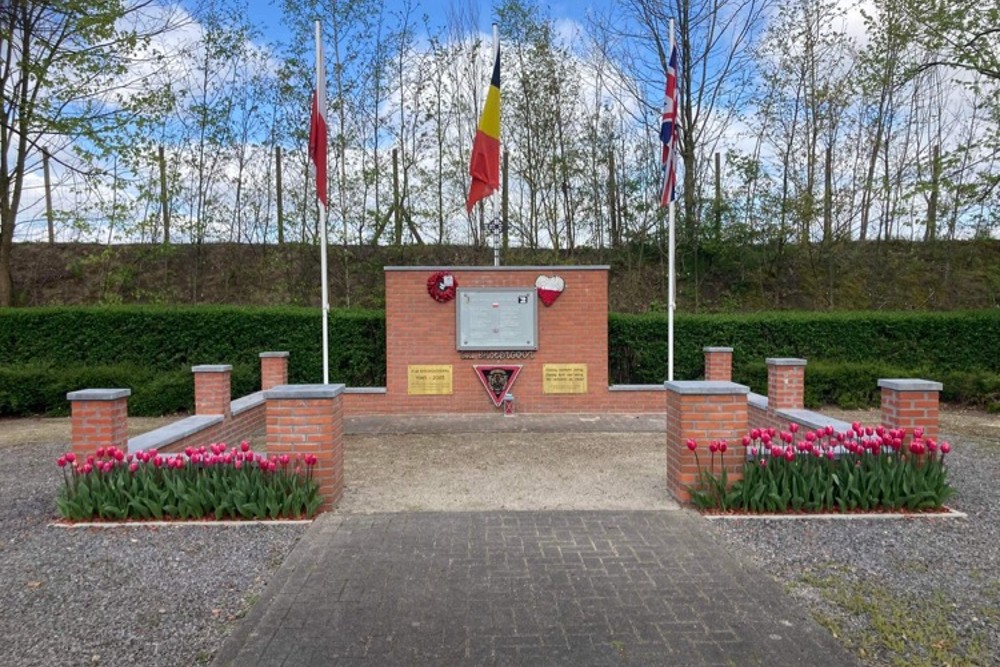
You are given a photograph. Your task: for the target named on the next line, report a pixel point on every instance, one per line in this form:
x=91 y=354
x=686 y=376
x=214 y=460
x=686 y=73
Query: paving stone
x=523 y=588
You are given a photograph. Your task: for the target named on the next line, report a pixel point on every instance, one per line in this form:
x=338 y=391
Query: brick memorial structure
x=501 y=340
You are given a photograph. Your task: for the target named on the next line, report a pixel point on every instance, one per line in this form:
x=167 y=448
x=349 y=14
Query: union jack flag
x=668 y=133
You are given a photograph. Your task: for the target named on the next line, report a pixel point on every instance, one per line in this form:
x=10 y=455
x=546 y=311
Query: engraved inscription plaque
x=496 y=318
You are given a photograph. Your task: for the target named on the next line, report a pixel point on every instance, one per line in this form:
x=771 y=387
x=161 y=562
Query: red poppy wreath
x=441 y=286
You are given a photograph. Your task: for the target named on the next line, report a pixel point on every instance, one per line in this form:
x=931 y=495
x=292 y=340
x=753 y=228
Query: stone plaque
x=564 y=378
x=429 y=380
x=496 y=318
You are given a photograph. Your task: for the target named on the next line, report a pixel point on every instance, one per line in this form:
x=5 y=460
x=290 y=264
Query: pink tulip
x=829 y=429
x=753 y=451
x=61 y=461
x=283 y=459
x=86 y=469
x=776 y=451
x=70 y=457
x=829 y=454
x=713 y=447
x=746 y=441
x=100 y=452
x=119 y=455
x=918 y=432
x=766 y=438
x=692 y=445
x=189 y=451
x=945 y=447
x=793 y=427
x=755 y=434
x=811 y=437
x=157 y=461
x=244 y=446
x=789 y=456
x=133 y=466
x=723 y=446
x=238 y=464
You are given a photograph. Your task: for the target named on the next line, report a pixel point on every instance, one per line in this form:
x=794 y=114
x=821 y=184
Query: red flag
x=484 y=167
x=317 y=129
x=668 y=132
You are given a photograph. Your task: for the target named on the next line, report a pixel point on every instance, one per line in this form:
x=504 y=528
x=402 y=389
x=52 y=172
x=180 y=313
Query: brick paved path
x=523 y=588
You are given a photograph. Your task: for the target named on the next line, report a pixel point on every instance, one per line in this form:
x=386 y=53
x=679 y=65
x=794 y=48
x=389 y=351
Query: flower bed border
x=945 y=513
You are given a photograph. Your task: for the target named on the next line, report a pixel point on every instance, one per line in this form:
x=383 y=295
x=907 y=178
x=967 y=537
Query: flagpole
x=496 y=219
x=671 y=279
x=322 y=226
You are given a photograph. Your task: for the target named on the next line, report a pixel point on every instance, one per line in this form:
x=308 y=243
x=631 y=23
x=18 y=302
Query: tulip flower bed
x=864 y=469
x=208 y=482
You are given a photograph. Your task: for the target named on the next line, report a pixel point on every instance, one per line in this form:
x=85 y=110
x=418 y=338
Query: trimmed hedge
x=46 y=352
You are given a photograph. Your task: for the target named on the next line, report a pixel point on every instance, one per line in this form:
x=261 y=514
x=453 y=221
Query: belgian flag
x=484 y=167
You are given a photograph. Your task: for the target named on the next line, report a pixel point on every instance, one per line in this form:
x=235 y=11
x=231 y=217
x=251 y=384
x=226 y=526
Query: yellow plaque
x=564 y=378
x=428 y=380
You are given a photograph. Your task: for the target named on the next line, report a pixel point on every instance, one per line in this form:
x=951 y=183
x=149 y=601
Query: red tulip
x=713 y=447
x=100 y=452
x=723 y=446
x=61 y=461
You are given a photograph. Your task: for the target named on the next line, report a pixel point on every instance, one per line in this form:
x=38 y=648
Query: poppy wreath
x=441 y=286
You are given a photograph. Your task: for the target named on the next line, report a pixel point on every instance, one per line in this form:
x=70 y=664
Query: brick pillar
x=99 y=419
x=273 y=369
x=911 y=404
x=308 y=419
x=786 y=385
x=718 y=364
x=704 y=411
x=212 y=390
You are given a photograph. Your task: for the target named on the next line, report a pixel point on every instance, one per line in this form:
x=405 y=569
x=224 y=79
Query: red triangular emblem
x=497 y=380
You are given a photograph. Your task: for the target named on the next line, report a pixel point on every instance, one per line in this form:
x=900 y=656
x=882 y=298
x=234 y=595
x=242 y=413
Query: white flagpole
x=321 y=85
x=493 y=202
x=671 y=278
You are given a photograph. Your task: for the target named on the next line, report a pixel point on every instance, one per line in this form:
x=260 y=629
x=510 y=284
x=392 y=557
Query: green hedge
x=46 y=352
x=954 y=341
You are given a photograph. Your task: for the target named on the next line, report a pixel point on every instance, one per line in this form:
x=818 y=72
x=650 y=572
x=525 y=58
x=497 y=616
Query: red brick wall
x=574 y=330
x=248 y=425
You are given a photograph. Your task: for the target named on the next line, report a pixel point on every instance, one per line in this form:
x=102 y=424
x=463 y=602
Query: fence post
x=703 y=411
x=786 y=387
x=718 y=364
x=910 y=404
x=273 y=369
x=308 y=419
x=212 y=389
x=99 y=419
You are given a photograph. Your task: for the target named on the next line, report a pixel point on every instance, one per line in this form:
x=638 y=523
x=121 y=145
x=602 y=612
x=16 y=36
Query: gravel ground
x=914 y=592
x=910 y=592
